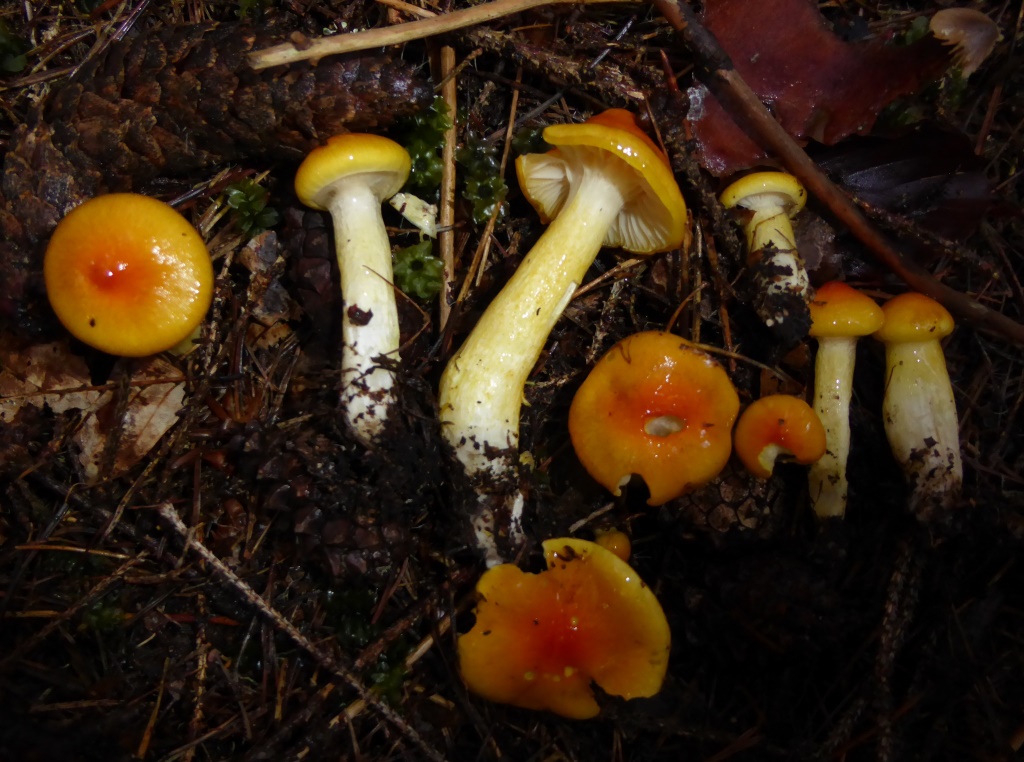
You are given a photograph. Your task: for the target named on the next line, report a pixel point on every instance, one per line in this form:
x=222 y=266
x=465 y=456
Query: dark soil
x=321 y=621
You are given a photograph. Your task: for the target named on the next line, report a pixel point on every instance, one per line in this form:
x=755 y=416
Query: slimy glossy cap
x=839 y=310
x=654 y=217
x=540 y=639
x=128 y=275
x=752 y=190
x=914 y=317
x=778 y=424
x=383 y=163
x=655 y=407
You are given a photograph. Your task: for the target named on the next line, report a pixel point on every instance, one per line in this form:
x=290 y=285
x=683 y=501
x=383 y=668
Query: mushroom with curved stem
x=605 y=184
x=128 y=275
x=919 y=409
x=778 y=426
x=655 y=407
x=782 y=289
x=350 y=176
x=839 y=316
x=541 y=639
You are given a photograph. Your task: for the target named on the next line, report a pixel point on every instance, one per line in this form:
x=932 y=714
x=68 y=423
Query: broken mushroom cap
x=973 y=34
x=541 y=639
x=128 y=275
x=350 y=176
x=839 y=316
x=655 y=407
x=779 y=425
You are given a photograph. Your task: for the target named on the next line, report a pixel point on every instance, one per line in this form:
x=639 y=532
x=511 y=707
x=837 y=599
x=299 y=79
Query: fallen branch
x=303 y=49
x=717 y=72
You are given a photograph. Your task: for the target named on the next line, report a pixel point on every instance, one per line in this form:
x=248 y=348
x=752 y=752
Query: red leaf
x=818 y=86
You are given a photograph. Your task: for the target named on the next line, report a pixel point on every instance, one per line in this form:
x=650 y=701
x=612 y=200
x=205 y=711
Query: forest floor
x=205 y=564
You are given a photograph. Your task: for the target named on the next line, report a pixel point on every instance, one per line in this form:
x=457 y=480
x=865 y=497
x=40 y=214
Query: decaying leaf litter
x=308 y=603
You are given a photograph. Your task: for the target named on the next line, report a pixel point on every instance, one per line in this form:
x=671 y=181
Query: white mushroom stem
x=481 y=390
x=921 y=422
x=771 y=225
x=370 y=319
x=833 y=388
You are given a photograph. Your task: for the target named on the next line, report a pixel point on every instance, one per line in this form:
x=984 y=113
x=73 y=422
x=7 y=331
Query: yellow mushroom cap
x=779 y=424
x=914 y=317
x=654 y=217
x=128 y=275
x=656 y=407
x=381 y=162
x=840 y=310
x=540 y=639
x=750 y=191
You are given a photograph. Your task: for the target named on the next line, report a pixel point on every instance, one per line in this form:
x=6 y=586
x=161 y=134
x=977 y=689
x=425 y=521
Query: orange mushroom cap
x=840 y=310
x=656 y=407
x=540 y=639
x=779 y=424
x=616 y=541
x=128 y=275
x=654 y=216
x=914 y=317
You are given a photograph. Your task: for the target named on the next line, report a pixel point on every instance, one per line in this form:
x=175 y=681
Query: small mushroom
x=919 y=410
x=606 y=184
x=128 y=275
x=350 y=176
x=655 y=407
x=541 y=639
x=972 y=34
x=839 y=316
x=779 y=425
x=769 y=200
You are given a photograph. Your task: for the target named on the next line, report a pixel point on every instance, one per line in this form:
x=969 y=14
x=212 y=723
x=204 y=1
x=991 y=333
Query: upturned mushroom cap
x=766 y=188
x=540 y=639
x=654 y=216
x=914 y=317
x=840 y=310
x=973 y=34
x=655 y=407
x=383 y=164
x=128 y=275
x=779 y=424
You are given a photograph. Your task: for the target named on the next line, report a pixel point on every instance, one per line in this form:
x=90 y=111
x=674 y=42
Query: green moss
x=417 y=271
x=248 y=200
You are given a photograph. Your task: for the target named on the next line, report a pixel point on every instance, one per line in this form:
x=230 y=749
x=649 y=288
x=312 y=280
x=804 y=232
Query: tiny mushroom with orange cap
x=128 y=275
x=839 y=316
x=350 y=176
x=769 y=200
x=655 y=407
x=919 y=409
x=540 y=639
x=605 y=184
x=779 y=425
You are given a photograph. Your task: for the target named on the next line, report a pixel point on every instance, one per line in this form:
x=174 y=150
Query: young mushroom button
x=350 y=176
x=128 y=275
x=839 y=316
x=654 y=407
x=605 y=184
x=919 y=410
x=769 y=200
x=775 y=426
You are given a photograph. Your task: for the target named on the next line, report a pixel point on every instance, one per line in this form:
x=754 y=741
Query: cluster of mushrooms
x=654 y=406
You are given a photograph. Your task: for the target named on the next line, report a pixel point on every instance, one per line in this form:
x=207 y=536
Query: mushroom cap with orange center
x=779 y=424
x=128 y=275
x=841 y=310
x=656 y=407
x=541 y=639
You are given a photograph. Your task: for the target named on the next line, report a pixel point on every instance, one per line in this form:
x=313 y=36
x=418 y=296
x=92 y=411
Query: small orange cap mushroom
x=656 y=407
x=128 y=275
x=779 y=424
x=914 y=317
x=616 y=541
x=540 y=639
x=840 y=310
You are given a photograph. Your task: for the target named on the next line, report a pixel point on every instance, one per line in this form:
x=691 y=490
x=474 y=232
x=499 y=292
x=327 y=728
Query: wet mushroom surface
x=199 y=559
